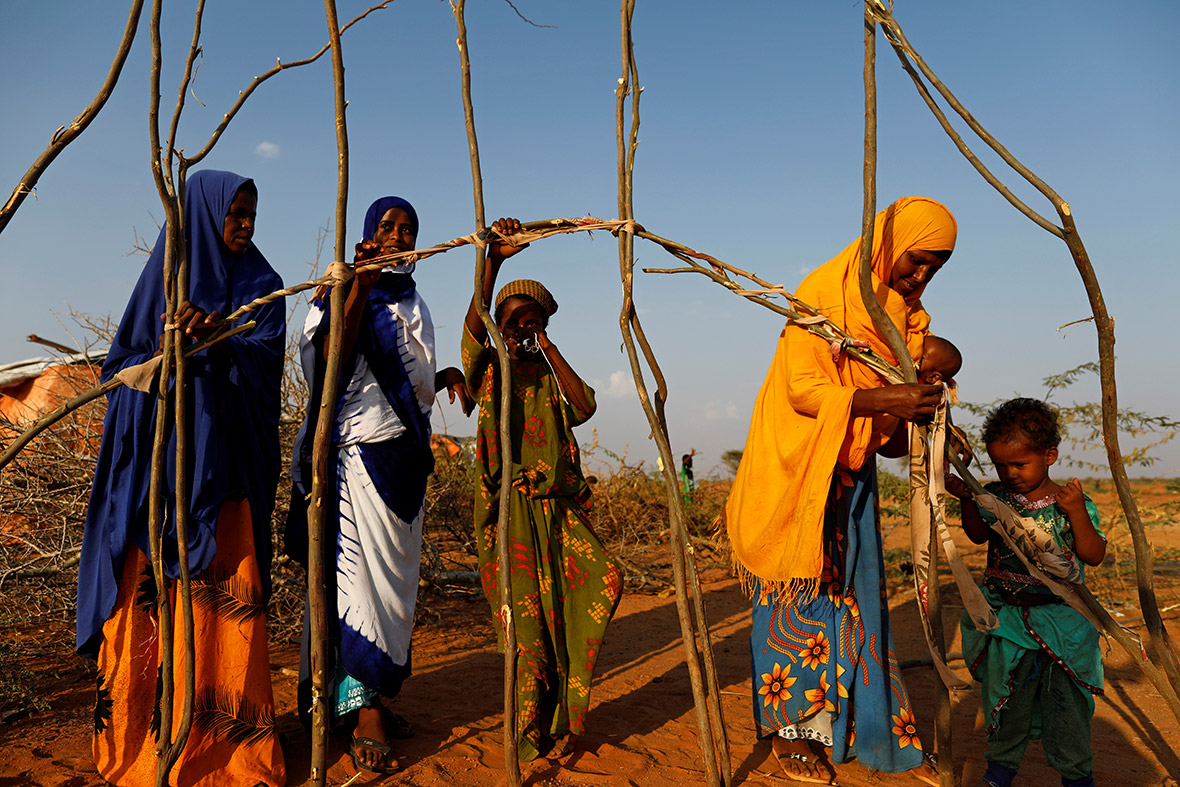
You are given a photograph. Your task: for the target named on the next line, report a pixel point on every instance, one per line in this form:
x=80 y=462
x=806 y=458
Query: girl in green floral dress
x=565 y=586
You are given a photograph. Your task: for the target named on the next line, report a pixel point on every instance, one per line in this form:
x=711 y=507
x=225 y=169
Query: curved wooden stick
x=1104 y=324
x=68 y=133
x=83 y=399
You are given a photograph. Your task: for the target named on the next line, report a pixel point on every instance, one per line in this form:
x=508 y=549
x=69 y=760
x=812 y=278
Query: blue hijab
x=233 y=407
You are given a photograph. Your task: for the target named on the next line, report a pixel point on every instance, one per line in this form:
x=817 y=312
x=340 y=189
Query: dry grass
x=44 y=494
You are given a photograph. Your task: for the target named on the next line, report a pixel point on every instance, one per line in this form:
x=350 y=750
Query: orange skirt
x=233 y=739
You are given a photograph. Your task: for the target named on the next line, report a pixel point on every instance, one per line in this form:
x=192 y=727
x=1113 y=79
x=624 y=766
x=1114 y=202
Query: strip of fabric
x=233 y=739
x=927 y=473
x=834 y=654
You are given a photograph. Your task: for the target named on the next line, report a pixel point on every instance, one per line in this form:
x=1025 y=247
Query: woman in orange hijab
x=802 y=515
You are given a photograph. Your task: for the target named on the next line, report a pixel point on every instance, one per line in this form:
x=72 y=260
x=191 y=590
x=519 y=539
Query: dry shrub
x=43 y=497
x=630 y=514
x=44 y=494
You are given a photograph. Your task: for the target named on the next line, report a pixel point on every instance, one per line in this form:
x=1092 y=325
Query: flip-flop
x=798 y=777
x=381 y=748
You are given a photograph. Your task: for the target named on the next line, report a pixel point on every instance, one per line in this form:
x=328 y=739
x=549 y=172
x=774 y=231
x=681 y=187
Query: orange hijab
x=802 y=426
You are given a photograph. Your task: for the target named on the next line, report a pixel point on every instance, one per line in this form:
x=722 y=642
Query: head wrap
x=234 y=410
x=382 y=206
x=910 y=224
x=531 y=289
x=802 y=425
x=373 y=217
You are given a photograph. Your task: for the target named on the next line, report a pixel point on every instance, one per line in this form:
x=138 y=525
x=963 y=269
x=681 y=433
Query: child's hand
x=960 y=444
x=1071 y=499
x=505 y=228
x=958 y=487
x=456 y=384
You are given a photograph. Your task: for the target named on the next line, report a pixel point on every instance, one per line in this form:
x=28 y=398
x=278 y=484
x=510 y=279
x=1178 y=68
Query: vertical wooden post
x=321 y=446
x=693 y=624
x=885 y=326
x=511 y=751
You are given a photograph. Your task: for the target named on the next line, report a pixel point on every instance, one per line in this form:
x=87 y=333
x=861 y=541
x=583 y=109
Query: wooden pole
x=179 y=294
x=321 y=447
x=693 y=624
x=886 y=328
x=166 y=752
x=507 y=617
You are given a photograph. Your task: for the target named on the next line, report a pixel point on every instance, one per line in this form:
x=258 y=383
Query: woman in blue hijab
x=380 y=461
x=233 y=406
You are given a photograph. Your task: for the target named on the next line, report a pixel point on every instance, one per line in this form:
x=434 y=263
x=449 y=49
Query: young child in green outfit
x=1041 y=668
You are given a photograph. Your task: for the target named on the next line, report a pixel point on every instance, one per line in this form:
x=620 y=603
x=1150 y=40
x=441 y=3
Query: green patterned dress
x=565 y=586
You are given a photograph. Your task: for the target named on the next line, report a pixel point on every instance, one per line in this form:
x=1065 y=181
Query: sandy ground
x=642 y=725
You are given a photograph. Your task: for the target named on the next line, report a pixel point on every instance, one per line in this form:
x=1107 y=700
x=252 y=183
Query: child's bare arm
x=1087 y=544
x=453 y=380
x=973 y=524
x=571 y=384
x=498 y=251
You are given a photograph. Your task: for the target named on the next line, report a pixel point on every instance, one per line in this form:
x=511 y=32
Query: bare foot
x=797 y=761
x=370 y=725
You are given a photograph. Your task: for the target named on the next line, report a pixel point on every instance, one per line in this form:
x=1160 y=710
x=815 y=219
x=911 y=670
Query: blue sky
x=750 y=149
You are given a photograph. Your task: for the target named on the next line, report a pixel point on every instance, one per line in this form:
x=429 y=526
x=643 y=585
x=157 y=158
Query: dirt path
x=642 y=725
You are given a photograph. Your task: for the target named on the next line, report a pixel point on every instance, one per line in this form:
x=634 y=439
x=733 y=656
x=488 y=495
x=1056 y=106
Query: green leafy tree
x=1081 y=424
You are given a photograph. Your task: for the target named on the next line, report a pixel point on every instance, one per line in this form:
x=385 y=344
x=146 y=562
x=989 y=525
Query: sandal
x=803 y=758
x=560 y=748
x=383 y=749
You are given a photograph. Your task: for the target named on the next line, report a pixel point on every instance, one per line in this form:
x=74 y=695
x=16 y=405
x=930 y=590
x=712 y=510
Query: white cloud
x=267 y=150
x=620 y=386
x=721 y=411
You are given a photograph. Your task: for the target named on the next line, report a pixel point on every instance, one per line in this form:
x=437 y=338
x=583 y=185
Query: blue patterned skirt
x=824 y=667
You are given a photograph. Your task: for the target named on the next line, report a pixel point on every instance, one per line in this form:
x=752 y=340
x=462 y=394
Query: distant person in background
x=380 y=461
x=233 y=408
x=688 y=484
x=1042 y=667
x=565 y=586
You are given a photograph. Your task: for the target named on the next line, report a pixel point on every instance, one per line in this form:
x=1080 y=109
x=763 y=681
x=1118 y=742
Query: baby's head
x=1021 y=436
x=940 y=361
